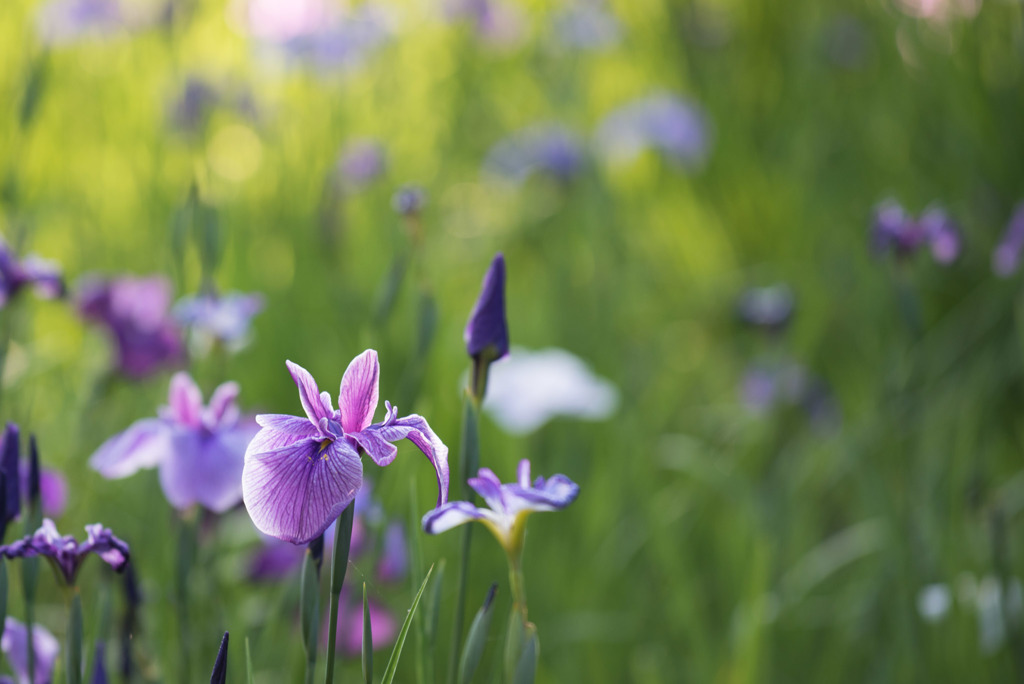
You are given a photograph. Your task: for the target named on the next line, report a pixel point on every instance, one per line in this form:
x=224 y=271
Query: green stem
x=74 y=657
x=339 y=562
x=469 y=461
x=517 y=585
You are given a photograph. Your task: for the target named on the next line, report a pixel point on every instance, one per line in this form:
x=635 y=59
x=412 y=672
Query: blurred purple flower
x=394 y=560
x=361 y=162
x=135 y=312
x=894 y=230
x=193 y=105
x=765 y=388
x=45 y=648
x=65 y=553
x=770 y=308
x=508 y=505
x=496 y=23
x=546 y=148
x=664 y=122
x=53 y=489
x=349 y=640
x=223 y=319
x=301 y=473
x=199 y=449
x=15 y=274
x=409 y=200
x=587 y=25
x=1006 y=257
x=62 y=22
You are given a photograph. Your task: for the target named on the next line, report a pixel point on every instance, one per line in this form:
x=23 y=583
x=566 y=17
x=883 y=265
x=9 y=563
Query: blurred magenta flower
x=301 y=473
x=1006 y=257
x=136 y=313
x=53 y=489
x=349 y=640
x=65 y=553
x=218 y=319
x=587 y=25
x=529 y=388
x=770 y=308
x=361 y=162
x=894 y=230
x=669 y=124
x=15 y=274
x=508 y=505
x=14 y=644
x=199 y=449
x=549 y=149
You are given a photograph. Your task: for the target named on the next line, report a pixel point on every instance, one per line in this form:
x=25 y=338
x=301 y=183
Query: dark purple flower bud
x=220 y=666
x=99 y=667
x=65 y=553
x=9 y=456
x=361 y=162
x=486 y=333
x=942 y=234
x=1006 y=257
x=136 y=313
x=33 y=474
x=409 y=200
x=769 y=307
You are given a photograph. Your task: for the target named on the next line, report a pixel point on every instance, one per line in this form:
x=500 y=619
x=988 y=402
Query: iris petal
x=144 y=444
x=359 y=392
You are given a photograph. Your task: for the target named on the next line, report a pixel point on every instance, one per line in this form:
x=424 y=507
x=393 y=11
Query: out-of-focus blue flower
x=61 y=22
x=409 y=200
x=1006 y=257
x=675 y=127
x=199 y=449
x=529 y=388
x=31 y=271
x=546 y=148
x=770 y=308
x=301 y=473
x=496 y=23
x=508 y=505
x=894 y=230
x=225 y=319
x=765 y=388
x=361 y=162
x=45 y=648
x=193 y=105
x=587 y=25
x=136 y=313
x=65 y=553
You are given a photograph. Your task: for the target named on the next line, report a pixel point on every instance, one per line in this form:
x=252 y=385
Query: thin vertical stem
x=339 y=562
x=469 y=461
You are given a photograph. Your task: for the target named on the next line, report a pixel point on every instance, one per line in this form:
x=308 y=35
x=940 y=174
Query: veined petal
x=144 y=444
x=453 y=514
x=280 y=431
x=309 y=393
x=359 y=392
x=206 y=469
x=523 y=472
x=295 y=492
x=376 y=445
x=487 y=485
x=222 y=403
x=551 y=495
x=416 y=430
x=185 y=400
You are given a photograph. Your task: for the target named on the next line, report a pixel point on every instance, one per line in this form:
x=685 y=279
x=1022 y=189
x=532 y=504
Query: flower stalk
x=339 y=563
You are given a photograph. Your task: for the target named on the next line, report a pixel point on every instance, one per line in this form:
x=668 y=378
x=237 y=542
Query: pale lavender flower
x=770 y=308
x=496 y=23
x=1006 y=257
x=301 y=473
x=65 y=553
x=508 y=504
x=45 y=648
x=587 y=25
x=66 y=21
x=225 y=319
x=409 y=200
x=199 y=449
x=549 y=149
x=136 y=313
x=43 y=276
x=361 y=162
x=674 y=126
x=942 y=234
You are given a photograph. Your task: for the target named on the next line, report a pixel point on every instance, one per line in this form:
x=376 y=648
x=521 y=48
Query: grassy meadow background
x=709 y=543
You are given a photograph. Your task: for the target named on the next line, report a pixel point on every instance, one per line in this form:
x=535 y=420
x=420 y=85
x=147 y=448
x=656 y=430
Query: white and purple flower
x=199 y=449
x=224 y=319
x=301 y=473
x=67 y=554
x=508 y=505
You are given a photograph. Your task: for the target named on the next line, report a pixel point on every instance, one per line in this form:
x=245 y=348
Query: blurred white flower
x=529 y=388
x=934 y=601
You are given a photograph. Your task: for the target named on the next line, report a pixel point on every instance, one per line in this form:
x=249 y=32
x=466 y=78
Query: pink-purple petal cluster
x=895 y=231
x=199 y=448
x=301 y=473
x=66 y=553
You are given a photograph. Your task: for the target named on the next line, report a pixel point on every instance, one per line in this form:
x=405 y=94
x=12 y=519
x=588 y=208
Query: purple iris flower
x=349 y=640
x=486 y=332
x=508 y=505
x=225 y=319
x=1006 y=257
x=409 y=200
x=498 y=24
x=301 y=473
x=199 y=449
x=14 y=644
x=664 y=122
x=550 y=149
x=66 y=21
x=770 y=308
x=53 y=489
x=361 y=162
x=894 y=230
x=587 y=26
x=135 y=312
x=66 y=554
x=15 y=274
x=340 y=40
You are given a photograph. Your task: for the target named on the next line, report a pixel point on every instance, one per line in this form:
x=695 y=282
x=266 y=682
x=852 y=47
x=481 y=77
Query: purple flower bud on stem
x=486 y=333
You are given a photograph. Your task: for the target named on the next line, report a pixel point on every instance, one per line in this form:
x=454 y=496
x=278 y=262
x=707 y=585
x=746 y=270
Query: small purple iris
x=15 y=274
x=361 y=162
x=224 y=319
x=894 y=230
x=65 y=553
x=199 y=449
x=135 y=312
x=301 y=473
x=508 y=505
x=14 y=644
x=1006 y=257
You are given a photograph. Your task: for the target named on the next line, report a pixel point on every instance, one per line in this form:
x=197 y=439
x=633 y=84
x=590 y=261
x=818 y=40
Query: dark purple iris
x=66 y=553
x=15 y=274
x=894 y=230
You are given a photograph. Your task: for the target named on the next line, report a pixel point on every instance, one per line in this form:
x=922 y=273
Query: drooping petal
x=280 y=431
x=309 y=393
x=416 y=430
x=144 y=444
x=295 y=492
x=45 y=647
x=444 y=518
x=104 y=544
x=206 y=469
x=358 y=398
